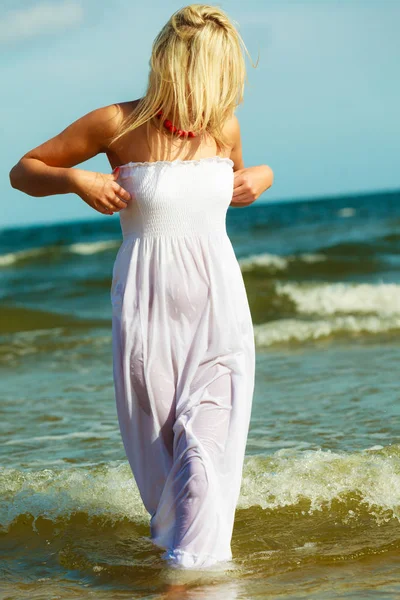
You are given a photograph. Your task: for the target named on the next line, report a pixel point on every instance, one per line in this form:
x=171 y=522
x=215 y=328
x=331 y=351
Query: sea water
x=319 y=511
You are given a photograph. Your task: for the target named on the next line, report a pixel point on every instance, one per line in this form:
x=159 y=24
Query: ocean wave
x=366 y=482
x=300 y=311
x=93 y=247
x=105 y=490
x=297 y=330
x=347 y=211
x=21 y=256
x=34 y=254
x=341 y=258
x=275 y=263
x=344 y=298
x=369 y=478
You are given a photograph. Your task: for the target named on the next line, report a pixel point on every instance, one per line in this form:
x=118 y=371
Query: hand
x=250 y=183
x=101 y=191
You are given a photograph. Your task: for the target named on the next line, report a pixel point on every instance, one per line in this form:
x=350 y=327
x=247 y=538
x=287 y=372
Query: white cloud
x=45 y=17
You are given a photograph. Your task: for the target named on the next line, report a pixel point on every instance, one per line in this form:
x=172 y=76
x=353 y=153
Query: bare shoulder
x=232 y=127
x=232 y=131
x=110 y=117
x=117 y=112
x=86 y=137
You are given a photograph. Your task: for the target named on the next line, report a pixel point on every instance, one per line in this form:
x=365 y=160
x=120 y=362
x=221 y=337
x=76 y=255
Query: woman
x=183 y=344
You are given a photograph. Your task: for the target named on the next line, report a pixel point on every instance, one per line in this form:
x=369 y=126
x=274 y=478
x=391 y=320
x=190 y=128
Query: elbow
x=12 y=177
x=15 y=177
x=18 y=179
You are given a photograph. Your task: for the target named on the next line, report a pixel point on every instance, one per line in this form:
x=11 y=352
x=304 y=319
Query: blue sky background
x=321 y=108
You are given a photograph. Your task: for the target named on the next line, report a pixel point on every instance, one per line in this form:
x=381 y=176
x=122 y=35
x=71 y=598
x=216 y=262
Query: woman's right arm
x=48 y=169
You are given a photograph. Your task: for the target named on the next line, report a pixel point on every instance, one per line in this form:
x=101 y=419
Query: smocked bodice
x=176 y=198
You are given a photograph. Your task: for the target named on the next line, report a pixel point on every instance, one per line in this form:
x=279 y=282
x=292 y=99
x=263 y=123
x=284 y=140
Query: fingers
x=107 y=209
x=239 y=190
x=113 y=204
x=243 y=199
x=115 y=197
x=120 y=198
x=118 y=203
x=121 y=192
x=244 y=190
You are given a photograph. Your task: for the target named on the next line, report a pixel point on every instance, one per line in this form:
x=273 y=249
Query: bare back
x=147 y=144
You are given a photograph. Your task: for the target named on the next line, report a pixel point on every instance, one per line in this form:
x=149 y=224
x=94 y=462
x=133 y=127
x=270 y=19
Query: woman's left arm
x=250 y=183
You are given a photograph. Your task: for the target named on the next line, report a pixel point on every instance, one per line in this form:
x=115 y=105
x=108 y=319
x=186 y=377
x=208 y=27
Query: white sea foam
x=13 y=257
x=350 y=298
x=78 y=248
x=321 y=476
x=346 y=212
x=332 y=309
x=282 y=479
x=93 y=247
x=276 y=262
x=103 y=490
x=291 y=330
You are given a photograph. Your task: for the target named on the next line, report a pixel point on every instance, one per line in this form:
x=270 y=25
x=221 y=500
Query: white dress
x=183 y=354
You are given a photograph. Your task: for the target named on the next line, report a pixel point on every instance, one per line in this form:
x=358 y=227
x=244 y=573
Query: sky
x=321 y=108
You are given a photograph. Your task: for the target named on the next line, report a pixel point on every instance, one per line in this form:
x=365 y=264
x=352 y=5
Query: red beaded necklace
x=179 y=132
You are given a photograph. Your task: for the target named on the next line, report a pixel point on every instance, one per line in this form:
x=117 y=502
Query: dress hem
x=177 y=558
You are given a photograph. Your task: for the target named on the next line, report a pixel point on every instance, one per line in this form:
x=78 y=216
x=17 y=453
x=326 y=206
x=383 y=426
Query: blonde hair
x=197 y=74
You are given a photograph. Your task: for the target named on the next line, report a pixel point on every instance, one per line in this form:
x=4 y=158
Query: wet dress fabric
x=183 y=354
